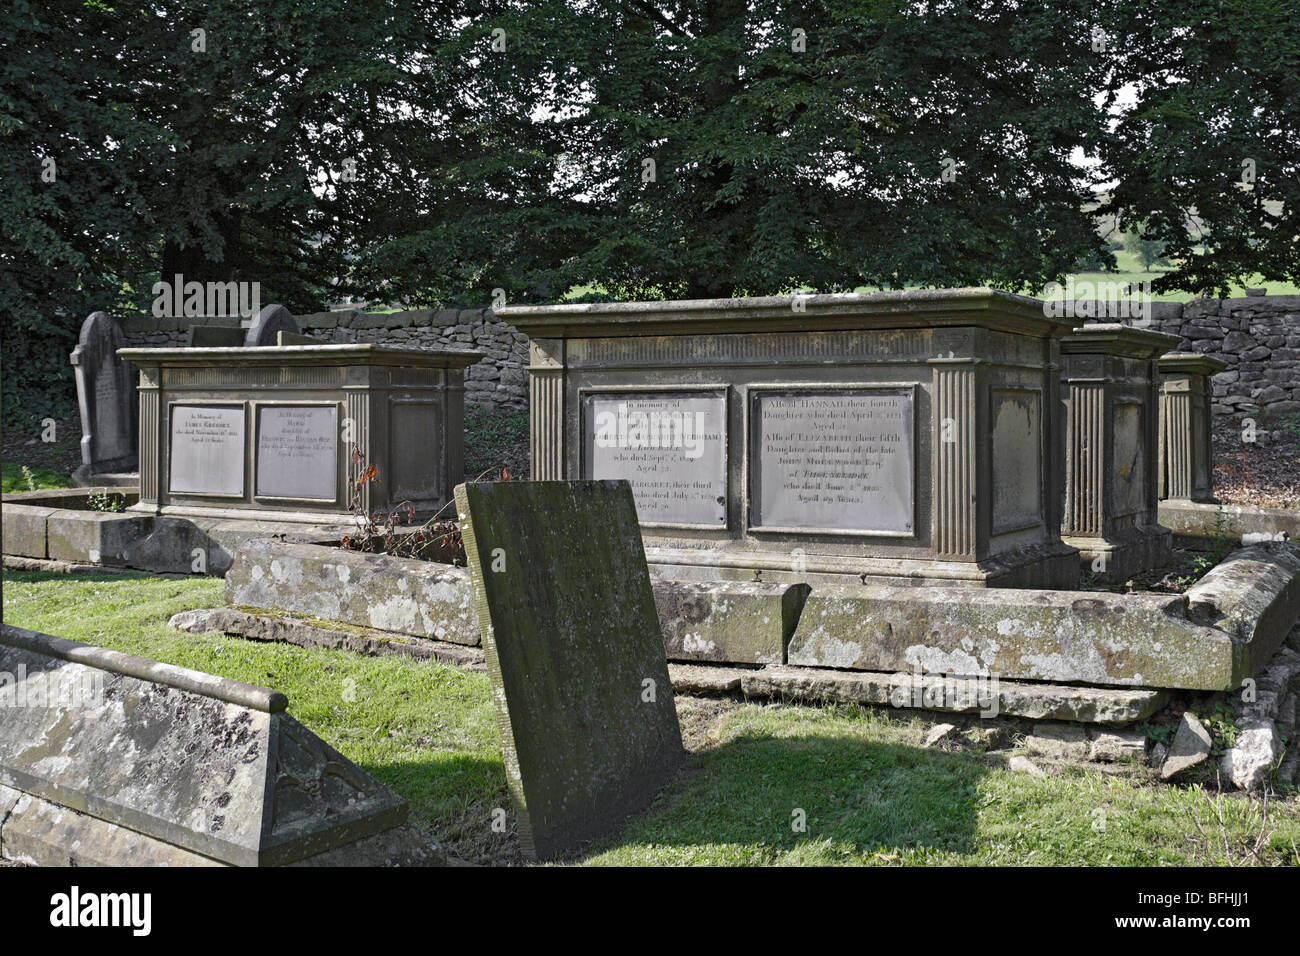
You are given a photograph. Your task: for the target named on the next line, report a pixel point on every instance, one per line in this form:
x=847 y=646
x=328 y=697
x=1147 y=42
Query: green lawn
x=870 y=794
x=35 y=479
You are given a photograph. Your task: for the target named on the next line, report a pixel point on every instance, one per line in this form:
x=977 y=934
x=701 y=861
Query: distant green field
x=1129 y=271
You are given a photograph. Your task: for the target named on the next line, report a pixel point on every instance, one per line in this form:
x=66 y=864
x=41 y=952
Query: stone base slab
x=1099 y=705
x=36 y=832
x=1055 y=566
x=1197 y=525
x=59 y=526
x=1122 y=558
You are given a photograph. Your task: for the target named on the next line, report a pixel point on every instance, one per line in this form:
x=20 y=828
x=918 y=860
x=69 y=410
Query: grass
x=869 y=793
x=496 y=438
x=15 y=479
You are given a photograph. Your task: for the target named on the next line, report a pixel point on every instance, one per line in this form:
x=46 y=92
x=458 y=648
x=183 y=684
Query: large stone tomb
x=112 y=760
x=1111 y=419
x=106 y=397
x=579 y=678
x=250 y=431
x=892 y=438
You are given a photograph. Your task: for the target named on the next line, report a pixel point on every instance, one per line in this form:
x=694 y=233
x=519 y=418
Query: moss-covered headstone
x=584 y=705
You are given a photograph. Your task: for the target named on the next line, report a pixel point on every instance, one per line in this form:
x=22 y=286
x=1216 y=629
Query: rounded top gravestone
x=271 y=320
x=106 y=397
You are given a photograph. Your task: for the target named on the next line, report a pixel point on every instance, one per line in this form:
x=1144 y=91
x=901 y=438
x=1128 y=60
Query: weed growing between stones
x=102 y=500
x=394 y=531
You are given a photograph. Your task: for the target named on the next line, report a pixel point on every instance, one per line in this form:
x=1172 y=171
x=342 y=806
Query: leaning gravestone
x=269 y=322
x=106 y=396
x=584 y=704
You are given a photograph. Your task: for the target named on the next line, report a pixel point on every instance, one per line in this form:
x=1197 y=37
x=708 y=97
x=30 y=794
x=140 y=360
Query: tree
x=1208 y=157
x=1149 y=250
x=723 y=147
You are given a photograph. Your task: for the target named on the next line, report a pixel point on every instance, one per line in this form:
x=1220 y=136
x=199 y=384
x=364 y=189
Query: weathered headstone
x=106 y=396
x=584 y=704
x=272 y=320
x=108 y=759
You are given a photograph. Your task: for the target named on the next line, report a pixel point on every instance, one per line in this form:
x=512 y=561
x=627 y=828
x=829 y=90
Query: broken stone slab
x=1059 y=742
x=1114 y=746
x=702 y=679
x=1103 y=705
x=1254 y=596
x=126 y=760
x=1019 y=764
x=1060 y=636
x=1249 y=763
x=740 y=622
x=404 y=595
x=277 y=626
x=940 y=733
x=1190 y=746
x=580 y=681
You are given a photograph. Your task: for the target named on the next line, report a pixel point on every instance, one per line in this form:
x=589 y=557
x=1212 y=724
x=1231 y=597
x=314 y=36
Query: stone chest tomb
x=897 y=437
x=272 y=431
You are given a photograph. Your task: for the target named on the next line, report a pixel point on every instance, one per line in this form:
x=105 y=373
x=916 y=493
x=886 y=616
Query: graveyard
x=811 y=579
x=565 y=435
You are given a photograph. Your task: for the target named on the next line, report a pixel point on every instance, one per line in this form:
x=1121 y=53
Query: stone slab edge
x=1099 y=705
x=182 y=678
x=286 y=628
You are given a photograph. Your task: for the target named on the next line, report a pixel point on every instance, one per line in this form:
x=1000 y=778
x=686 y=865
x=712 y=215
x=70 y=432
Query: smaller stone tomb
x=584 y=704
x=106 y=397
x=251 y=430
x=1186 y=419
x=1111 y=411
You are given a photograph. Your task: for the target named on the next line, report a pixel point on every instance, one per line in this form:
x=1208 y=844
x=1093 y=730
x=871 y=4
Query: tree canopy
x=425 y=152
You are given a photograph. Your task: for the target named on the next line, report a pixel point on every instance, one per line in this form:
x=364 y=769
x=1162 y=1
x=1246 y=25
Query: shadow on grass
x=864 y=797
x=454 y=798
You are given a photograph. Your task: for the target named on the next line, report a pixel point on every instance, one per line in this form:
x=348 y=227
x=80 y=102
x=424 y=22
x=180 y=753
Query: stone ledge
x=739 y=622
x=301 y=632
x=1195 y=524
x=418 y=598
x=1100 y=705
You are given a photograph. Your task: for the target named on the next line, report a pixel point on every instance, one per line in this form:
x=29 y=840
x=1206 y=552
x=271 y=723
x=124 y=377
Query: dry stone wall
x=1258 y=336
x=500 y=380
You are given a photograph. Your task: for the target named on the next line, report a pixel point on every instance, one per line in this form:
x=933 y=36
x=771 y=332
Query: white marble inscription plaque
x=297 y=451
x=207 y=450
x=837 y=460
x=670 y=446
